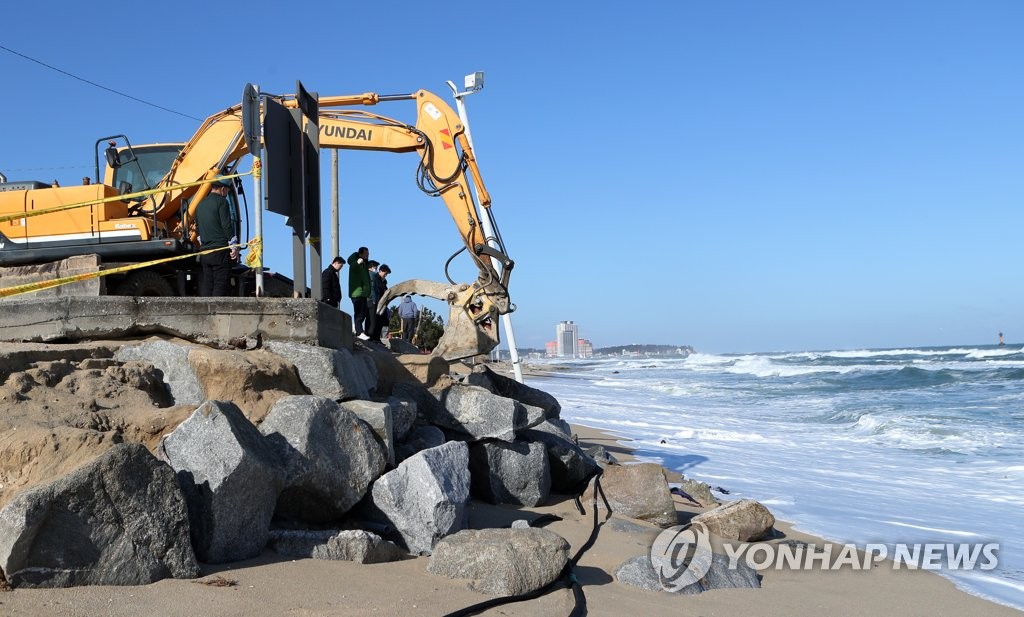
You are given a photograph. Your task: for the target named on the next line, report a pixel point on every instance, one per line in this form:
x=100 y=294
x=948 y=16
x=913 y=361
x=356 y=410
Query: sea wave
x=761 y=366
x=721 y=435
x=905 y=377
x=975 y=352
x=930 y=437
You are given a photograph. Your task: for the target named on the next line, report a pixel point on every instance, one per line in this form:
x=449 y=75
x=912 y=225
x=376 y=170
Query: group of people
x=367 y=284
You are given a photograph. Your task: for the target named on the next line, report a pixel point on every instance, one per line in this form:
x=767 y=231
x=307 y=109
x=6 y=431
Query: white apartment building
x=567 y=338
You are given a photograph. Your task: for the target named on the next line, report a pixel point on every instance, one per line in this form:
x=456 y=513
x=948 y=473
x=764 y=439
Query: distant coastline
x=618 y=350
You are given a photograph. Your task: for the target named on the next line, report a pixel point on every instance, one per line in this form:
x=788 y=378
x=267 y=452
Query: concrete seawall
x=227 y=322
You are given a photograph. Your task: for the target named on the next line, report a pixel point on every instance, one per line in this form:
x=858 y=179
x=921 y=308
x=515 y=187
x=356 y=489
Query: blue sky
x=734 y=175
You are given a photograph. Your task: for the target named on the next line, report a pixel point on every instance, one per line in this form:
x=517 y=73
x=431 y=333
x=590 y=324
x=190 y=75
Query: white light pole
x=474 y=82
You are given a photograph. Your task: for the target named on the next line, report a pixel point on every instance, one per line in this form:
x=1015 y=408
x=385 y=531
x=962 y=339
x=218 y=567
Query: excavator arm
x=445 y=159
x=447 y=169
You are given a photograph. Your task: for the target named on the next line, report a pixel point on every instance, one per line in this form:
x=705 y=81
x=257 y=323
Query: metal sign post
x=335 y=231
x=309 y=103
x=252 y=127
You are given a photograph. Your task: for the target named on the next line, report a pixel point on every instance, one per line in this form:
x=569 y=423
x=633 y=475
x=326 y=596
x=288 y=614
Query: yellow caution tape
x=30 y=213
x=255 y=257
x=17 y=290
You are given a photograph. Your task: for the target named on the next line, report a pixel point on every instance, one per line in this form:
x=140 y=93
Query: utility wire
x=92 y=83
x=46 y=168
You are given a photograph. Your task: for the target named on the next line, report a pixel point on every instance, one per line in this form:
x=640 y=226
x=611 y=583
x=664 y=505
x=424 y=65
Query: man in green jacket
x=213 y=221
x=359 y=290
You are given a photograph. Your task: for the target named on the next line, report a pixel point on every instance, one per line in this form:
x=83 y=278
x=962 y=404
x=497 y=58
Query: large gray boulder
x=744 y=520
x=638 y=491
x=419 y=439
x=119 y=520
x=700 y=492
x=425 y=497
x=332 y=373
x=479 y=414
x=555 y=426
x=501 y=385
x=353 y=545
x=403 y=416
x=501 y=562
x=639 y=572
x=172 y=360
x=571 y=467
x=427 y=405
x=330 y=457
x=510 y=473
x=601 y=455
x=230 y=477
x=379 y=418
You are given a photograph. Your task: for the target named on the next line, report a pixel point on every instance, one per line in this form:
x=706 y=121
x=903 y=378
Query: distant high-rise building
x=567 y=338
x=585 y=348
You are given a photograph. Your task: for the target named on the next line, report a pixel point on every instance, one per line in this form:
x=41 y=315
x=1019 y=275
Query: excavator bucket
x=472 y=326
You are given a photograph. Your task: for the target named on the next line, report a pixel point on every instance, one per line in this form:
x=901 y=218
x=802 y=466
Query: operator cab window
x=151 y=165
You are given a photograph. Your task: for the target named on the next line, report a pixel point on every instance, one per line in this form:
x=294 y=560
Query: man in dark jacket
x=213 y=221
x=379 y=283
x=329 y=282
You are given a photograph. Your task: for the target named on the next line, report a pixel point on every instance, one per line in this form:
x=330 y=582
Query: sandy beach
x=271 y=585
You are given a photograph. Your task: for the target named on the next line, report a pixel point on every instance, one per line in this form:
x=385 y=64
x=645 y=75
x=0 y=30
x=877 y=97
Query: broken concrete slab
x=78 y=264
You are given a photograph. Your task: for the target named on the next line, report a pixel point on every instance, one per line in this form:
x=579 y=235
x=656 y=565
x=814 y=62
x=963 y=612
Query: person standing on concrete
x=408 y=311
x=379 y=284
x=371 y=301
x=213 y=221
x=359 y=290
x=330 y=283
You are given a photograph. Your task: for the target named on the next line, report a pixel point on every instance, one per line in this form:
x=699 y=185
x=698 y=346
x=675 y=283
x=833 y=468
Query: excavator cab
x=143 y=167
x=137 y=169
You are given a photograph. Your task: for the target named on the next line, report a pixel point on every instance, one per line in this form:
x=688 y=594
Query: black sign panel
x=308 y=102
x=281 y=136
x=251 y=118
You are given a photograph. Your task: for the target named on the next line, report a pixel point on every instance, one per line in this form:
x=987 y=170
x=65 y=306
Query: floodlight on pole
x=474 y=82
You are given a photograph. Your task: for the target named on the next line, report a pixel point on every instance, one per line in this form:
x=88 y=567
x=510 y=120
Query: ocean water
x=871 y=446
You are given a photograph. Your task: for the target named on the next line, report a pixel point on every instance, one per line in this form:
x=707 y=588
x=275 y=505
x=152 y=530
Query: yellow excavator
x=144 y=228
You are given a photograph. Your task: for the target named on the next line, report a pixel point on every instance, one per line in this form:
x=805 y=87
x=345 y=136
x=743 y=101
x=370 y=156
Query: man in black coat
x=379 y=286
x=213 y=220
x=330 y=284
